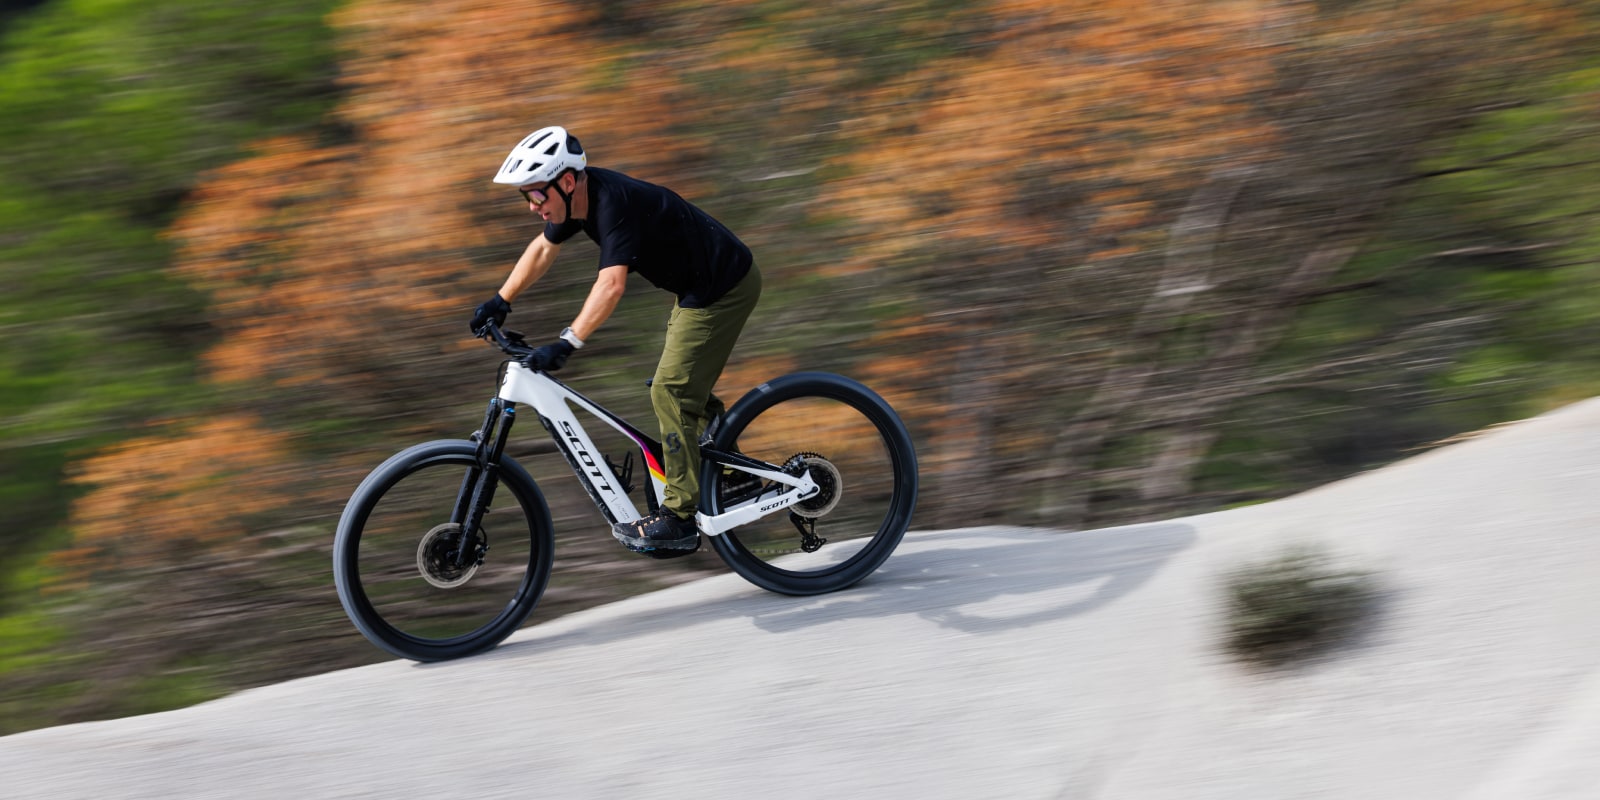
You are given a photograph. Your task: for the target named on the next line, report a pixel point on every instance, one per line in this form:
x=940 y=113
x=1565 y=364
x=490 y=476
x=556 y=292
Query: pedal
x=662 y=552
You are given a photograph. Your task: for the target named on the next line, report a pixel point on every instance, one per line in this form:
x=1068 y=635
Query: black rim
x=513 y=606
x=889 y=435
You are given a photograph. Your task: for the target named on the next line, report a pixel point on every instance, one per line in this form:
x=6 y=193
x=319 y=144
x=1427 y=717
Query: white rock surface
x=982 y=663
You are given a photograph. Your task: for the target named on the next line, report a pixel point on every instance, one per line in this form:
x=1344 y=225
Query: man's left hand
x=550 y=357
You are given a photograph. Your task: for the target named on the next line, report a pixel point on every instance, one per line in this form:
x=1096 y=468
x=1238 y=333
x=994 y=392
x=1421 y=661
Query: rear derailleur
x=807 y=526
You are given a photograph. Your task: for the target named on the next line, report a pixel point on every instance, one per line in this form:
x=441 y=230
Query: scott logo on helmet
x=542 y=157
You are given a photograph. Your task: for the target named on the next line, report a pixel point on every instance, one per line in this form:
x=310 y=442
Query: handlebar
x=510 y=342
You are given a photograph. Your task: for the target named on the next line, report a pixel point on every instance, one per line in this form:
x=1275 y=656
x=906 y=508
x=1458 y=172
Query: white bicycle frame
x=554 y=402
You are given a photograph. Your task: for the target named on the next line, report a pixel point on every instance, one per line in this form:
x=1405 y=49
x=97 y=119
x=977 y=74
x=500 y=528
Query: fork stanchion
x=483 y=488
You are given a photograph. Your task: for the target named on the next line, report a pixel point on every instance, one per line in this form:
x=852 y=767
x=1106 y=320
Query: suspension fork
x=478 y=485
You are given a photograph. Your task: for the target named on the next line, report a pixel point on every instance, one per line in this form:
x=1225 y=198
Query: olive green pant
x=699 y=341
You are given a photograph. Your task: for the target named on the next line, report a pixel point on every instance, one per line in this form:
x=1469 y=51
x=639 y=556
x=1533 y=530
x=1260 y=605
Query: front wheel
x=858 y=451
x=396 y=555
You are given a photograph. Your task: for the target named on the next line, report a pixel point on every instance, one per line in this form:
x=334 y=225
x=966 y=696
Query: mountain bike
x=808 y=484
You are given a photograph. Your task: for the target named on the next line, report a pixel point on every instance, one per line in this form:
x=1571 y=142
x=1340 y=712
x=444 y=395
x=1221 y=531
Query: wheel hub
x=436 y=557
x=830 y=485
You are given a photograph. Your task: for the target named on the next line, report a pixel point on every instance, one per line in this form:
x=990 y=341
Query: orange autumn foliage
x=1085 y=124
x=1112 y=111
x=305 y=246
x=198 y=487
x=1114 y=101
x=311 y=252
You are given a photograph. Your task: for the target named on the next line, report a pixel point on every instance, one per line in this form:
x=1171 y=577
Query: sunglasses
x=536 y=197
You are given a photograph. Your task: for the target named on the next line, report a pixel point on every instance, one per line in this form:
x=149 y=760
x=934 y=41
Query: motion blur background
x=1111 y=260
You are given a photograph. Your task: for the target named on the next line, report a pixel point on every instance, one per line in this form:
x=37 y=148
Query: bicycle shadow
x=975 y=581
x=1026 y=578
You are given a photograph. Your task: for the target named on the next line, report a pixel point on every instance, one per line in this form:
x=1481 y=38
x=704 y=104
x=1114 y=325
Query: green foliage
x=167 y=691
x=29 y=659
x=1294 y=606
x=123 y=102
x=1477 y=299
x=114 y=109
x=25 y=638
x=1478 y=302
x=1520 y=187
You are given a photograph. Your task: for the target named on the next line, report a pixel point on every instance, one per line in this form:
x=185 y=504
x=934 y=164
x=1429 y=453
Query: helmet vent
x=541 y=156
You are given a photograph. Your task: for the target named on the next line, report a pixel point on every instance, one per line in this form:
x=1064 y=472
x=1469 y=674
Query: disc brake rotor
x=436 y=557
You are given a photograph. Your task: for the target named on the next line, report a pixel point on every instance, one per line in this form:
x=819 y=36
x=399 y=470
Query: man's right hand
x=495 y=308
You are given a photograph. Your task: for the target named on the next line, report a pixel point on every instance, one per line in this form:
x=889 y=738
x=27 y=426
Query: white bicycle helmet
x=542 y=156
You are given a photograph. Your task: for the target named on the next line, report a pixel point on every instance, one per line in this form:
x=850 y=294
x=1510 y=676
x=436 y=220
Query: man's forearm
x=602 y=300
x=533 y=264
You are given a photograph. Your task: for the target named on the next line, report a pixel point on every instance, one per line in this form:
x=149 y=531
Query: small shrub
x=1293 y=606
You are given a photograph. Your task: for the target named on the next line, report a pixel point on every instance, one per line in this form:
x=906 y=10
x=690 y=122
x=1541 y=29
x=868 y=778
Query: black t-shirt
x=654 y=232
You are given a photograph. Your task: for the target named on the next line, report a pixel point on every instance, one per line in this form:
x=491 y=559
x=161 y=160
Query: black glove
x=550 y=357
x=495 y=308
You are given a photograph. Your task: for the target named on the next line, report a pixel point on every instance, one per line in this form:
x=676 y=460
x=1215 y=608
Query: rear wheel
x=857 y=450
x=397 y=557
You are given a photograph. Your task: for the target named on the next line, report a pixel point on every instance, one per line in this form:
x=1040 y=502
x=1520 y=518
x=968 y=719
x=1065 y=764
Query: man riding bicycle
x=650 y=230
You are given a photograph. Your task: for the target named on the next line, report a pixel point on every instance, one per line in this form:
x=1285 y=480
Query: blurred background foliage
x=1111 y=260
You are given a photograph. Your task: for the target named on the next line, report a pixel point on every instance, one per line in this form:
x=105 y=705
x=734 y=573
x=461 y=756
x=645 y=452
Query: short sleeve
x=618 y=238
